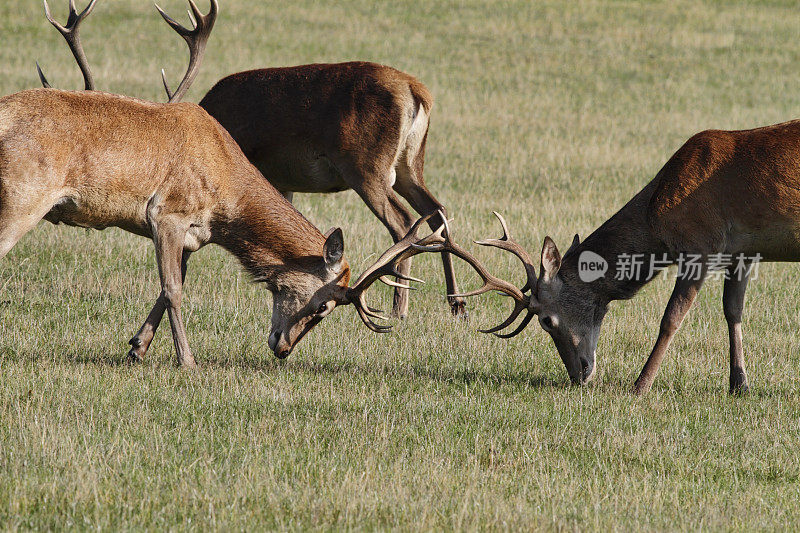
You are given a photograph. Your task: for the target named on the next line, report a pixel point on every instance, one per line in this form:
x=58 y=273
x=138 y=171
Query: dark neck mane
x=621 y=241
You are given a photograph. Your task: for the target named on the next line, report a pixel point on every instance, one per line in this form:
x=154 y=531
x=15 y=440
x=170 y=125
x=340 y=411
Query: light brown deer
x=725 y=199
x=326 y=128
x=320 y=129
x=170 y=172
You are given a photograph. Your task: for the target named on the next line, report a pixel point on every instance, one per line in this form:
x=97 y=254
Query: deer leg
x=18 y=217
x=169 y=236
x=288 y=195
x=424 y=203
x=398 y=219
x=733 y=305
x=683 y=295
x=140 y=342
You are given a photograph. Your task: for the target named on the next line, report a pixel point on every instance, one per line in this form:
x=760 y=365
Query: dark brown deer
x=723 y=202
x=171 y=173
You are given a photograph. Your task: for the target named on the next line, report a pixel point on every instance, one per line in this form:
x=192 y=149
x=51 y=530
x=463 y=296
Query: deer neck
x=267 y=234
x=622 y=242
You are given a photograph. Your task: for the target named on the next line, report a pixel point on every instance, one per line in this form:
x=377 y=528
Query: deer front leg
x=169 y=235
x=683 y=295
x=733 y=306
x=140 y=342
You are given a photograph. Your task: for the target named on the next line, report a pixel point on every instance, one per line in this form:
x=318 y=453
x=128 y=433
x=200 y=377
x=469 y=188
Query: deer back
x=348 y=106
x=104 y=158
x=731 y=191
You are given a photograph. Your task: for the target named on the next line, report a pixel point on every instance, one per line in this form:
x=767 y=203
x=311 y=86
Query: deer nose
x=272 y=342
x=280 y=347
x=587 y=370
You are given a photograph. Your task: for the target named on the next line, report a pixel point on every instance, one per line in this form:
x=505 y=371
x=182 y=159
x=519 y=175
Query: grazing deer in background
x=722 y=194
x=170 y=172
x=326 y=128
x=330 y=127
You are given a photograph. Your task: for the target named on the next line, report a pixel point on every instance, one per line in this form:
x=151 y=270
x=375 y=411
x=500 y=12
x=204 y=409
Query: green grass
x=554 y=113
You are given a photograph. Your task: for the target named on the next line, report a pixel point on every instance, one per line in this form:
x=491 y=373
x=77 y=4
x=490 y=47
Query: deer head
x=303 y=297
x=567 y=311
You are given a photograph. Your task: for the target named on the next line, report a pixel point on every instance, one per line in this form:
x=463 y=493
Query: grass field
x=554 y=113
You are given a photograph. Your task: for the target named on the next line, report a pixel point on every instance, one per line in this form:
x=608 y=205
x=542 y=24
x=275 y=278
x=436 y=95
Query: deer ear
x=551 y=259
x=333 y=250
x=576 y=240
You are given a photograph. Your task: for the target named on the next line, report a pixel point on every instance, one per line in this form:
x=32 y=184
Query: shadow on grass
x=73 y=356
x=667 y=387
x=413 y=370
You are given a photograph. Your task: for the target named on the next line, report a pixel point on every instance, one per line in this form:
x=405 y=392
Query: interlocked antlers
x=522 y=301
x=386 y=265
x=196 y=38
x=71 y=33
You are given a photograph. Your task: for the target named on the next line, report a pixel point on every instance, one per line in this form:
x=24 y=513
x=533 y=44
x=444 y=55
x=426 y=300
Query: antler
x=386 y=265
x=522 y=301
x=196 y=38
x=71 y=33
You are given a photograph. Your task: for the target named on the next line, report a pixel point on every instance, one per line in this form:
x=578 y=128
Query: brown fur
x=169 y=172
x=730 y=192
x=329 y=127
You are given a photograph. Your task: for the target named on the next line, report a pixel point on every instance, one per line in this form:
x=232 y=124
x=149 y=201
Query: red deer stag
x=171 y=173
x=326 y=128
x=320 y=128
x=723 y=202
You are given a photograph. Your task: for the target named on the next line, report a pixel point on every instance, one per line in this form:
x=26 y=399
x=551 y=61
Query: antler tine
x=490 y=282
x=45 y=83
x=386 y=265
x=71 y=33
x=364 y=313
x=507 y=243
x=519 y=307
x=196 y=38
x=392 y=255
x=522 y=325
x=391 y=283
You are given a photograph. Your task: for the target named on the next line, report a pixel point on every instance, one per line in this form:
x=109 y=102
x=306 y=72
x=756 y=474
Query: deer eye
x=547 y=323
x=322 y=309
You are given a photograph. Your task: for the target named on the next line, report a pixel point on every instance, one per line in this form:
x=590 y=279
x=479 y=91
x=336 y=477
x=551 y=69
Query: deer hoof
x=134 y=356
x=739 y=389
x=459 y=309
x=188 y=364
x=738 y=383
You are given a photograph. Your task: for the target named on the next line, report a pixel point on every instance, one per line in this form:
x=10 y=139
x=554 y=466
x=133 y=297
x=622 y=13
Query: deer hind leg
x=733 y=305
x=410 y=186
x=169 y=236
x=140 y=342
x=398 y=219
x=683 y=295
